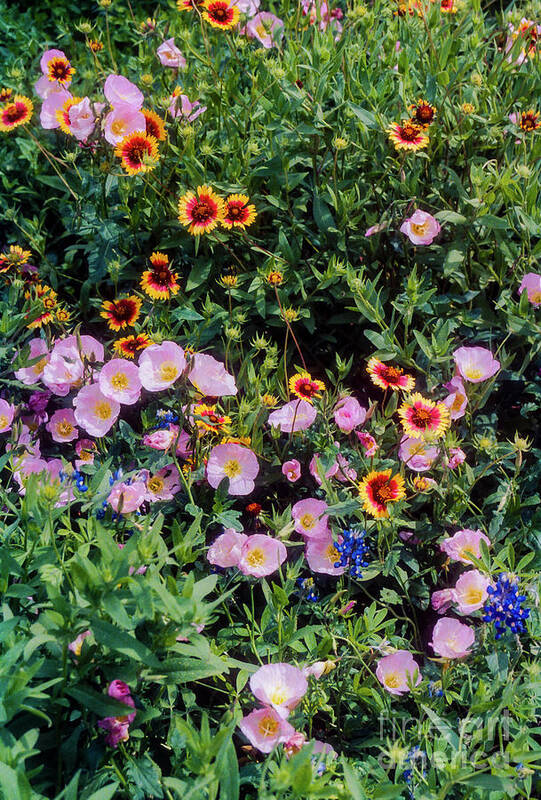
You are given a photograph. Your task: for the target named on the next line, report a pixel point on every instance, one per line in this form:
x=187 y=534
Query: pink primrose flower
x=265 y=728
x=373 y=229
x=470 y=591
x=451 y=638
x=52 y=102
x=416 y=454
x=86 y=450
x=160 y=365
x=120 y=91
x=348 y=414
x=63 y=371
x=309 y=519
x=86 y=347
x=121 y=121
x=267 y=28
x=75 y=647
x=119 y=380
x=475 y=364
x=62 y=426
x=182 y=108
x=322 y=555
x=81 y=119
x=420 y=228
x=458 y=457
x=127 y=497
x=31 y=375
x=162 y=485
x=397 y=671
x=531 y=282
x=297 y=415
x=442 y=600
x=248 y=7
x=368 y=442
x=281 y=686
x=94 y=412
x=464 y=544
x=292 y=470
x=210 y=377
x=226 y=549
x=235 y=462
x=457 y=400
x=344 y=473
x=7 y=412
x=170 y=55
x=315 y=468
x=261 y=555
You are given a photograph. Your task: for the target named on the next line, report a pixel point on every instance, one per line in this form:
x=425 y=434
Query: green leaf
x=100 y=704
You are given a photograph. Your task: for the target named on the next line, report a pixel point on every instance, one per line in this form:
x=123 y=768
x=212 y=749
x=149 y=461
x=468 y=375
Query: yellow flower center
x=261 y=30
x=278 y=696
x=102 y=410
x=256 y=557
x=155 y=484
x=457 y=402
x=392 y=680
x=118 y=127
x=268 y=726
x=308 y=521
x=466 y=553
x=64 y=428
x=168 y=371
x=472 y=373
x=535 y=297
x=120 y=381
x=232 y=468
x=4 y=421
x=473 y=596
x=419 y=229
x=39 y=366
x=332 y=553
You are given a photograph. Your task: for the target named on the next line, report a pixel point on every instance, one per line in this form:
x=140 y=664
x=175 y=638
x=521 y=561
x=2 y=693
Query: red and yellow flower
x=47 y=298
x=378 y=490
x=14 y=257
x=122 y=312
x=138 y=152
x=5 y=95
x=160 y=282
x=304 y=386
x=387 y=377
x=155 y=126
x=448 y=7
x=422 y=418
x=407 y=136
x=422 y=113
x=59 y=69
x=16 y=113
x=239 y=212
x=207 y=418
x=95 y=45
x=189 y=5
x=63 y=116
x=128 y=346
x=529 y=121
x=220 y=14
x=200 y=212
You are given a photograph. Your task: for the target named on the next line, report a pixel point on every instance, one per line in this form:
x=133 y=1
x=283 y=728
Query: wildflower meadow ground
x=270 y=396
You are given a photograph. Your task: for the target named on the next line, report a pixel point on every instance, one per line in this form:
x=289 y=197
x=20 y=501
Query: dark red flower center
x=202 y=212
x=14 y=112
x=421 y=417
x=60 y=70
x=409 y=132
x=381 y=491
x=123 y=310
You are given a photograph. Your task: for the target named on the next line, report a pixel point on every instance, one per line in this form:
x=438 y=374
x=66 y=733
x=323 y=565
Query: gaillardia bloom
x=422 y=113
x=59 y=69
x=422 y=418
x=63 y=114
x=303 y=386
x=200 y=212
x=160 y=282
x=378 y=489
x=389 y=377
x=121 y=313
x=407 y=136
x=220 y=14
x=128 y=346
x=155 y=126
x=16 y=113
x=189 y=5
x=138 y=152
x=529 y=121
x=239 y=212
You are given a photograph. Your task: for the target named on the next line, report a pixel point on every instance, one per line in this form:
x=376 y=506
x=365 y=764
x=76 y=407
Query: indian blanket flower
x=448 y=7
x=292 y=470
x=308 y=516
x=398 y=671
x=407 y=136
x=379 y=489
x=322 y=555
x=122 y=312
x=63 y=114
x=122 y=121
x=170 y=55
x=265 y=728
x=16 y=113
x=160 y=365
x=463 y=544
x=387 y=377
x=210 y=377
x=297 y=415
x=62 y=426
x=457 y=400
x=267 y=28
x=417 y=454
x=201 y=211
x=238 y=212
x=127 y=497
x=261 y=555
x=129 y=346
x=226 y=549
x=368 y=442
x=138 y=152
x=94 y=412
x=475 y=364
x=120 y=91
x=236 y=463
x=159 y=282
x=305 y=387
x=280 y=686
x=348 y=414
x=531 y=283
x=7 y=412
x=471 y=591
x=154 y=125
x=451 y=638
x=422 y=418
x=119 y=380
x=529 y=121
x=221 y=14
x=56 y=67
x=422 y=113
x=81 y=119
x=39 y=354
x=420 y=228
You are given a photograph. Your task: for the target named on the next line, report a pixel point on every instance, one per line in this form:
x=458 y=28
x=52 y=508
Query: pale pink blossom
x=470 y=593
x=398 y=671
x=348 y=414
x=117 y=727
x=475 y=364
x=458 y=457
x=267 y=28
x=261 y=555
x=7 y=412
x=531 y=282
x=32 y=374
x=373 y=229
x=44 y=88
x=318 y=669
x=322 y=555
x=344 y=473
x=451 y=638
x=292 y=470
x=48 y=56
x=160 y=365
x=81 y=119
x=76 y=646
x=281 y=686
x=416 y=454
x=457 y=400
x=63 y=371
x=162 y=485
x=368 y=442
x=62 y=426
x=119 y=380
x=94 y=412
x=54 y=100
x=210 y=377
x=309 y=518
x=265 y=728
x=127 y=497
x=442 y=600
x=170 y=55
x=163 y=439
x=294 y=744
x=464 y=544
x=236 y=463
x=226 y=549
x=86 y=346
x=120 y=91
x=121 y=121
x=315 y=468
x=248 y=7
x=182 y=108
x=420 y=228
x=297 y=415
x=86 y=450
